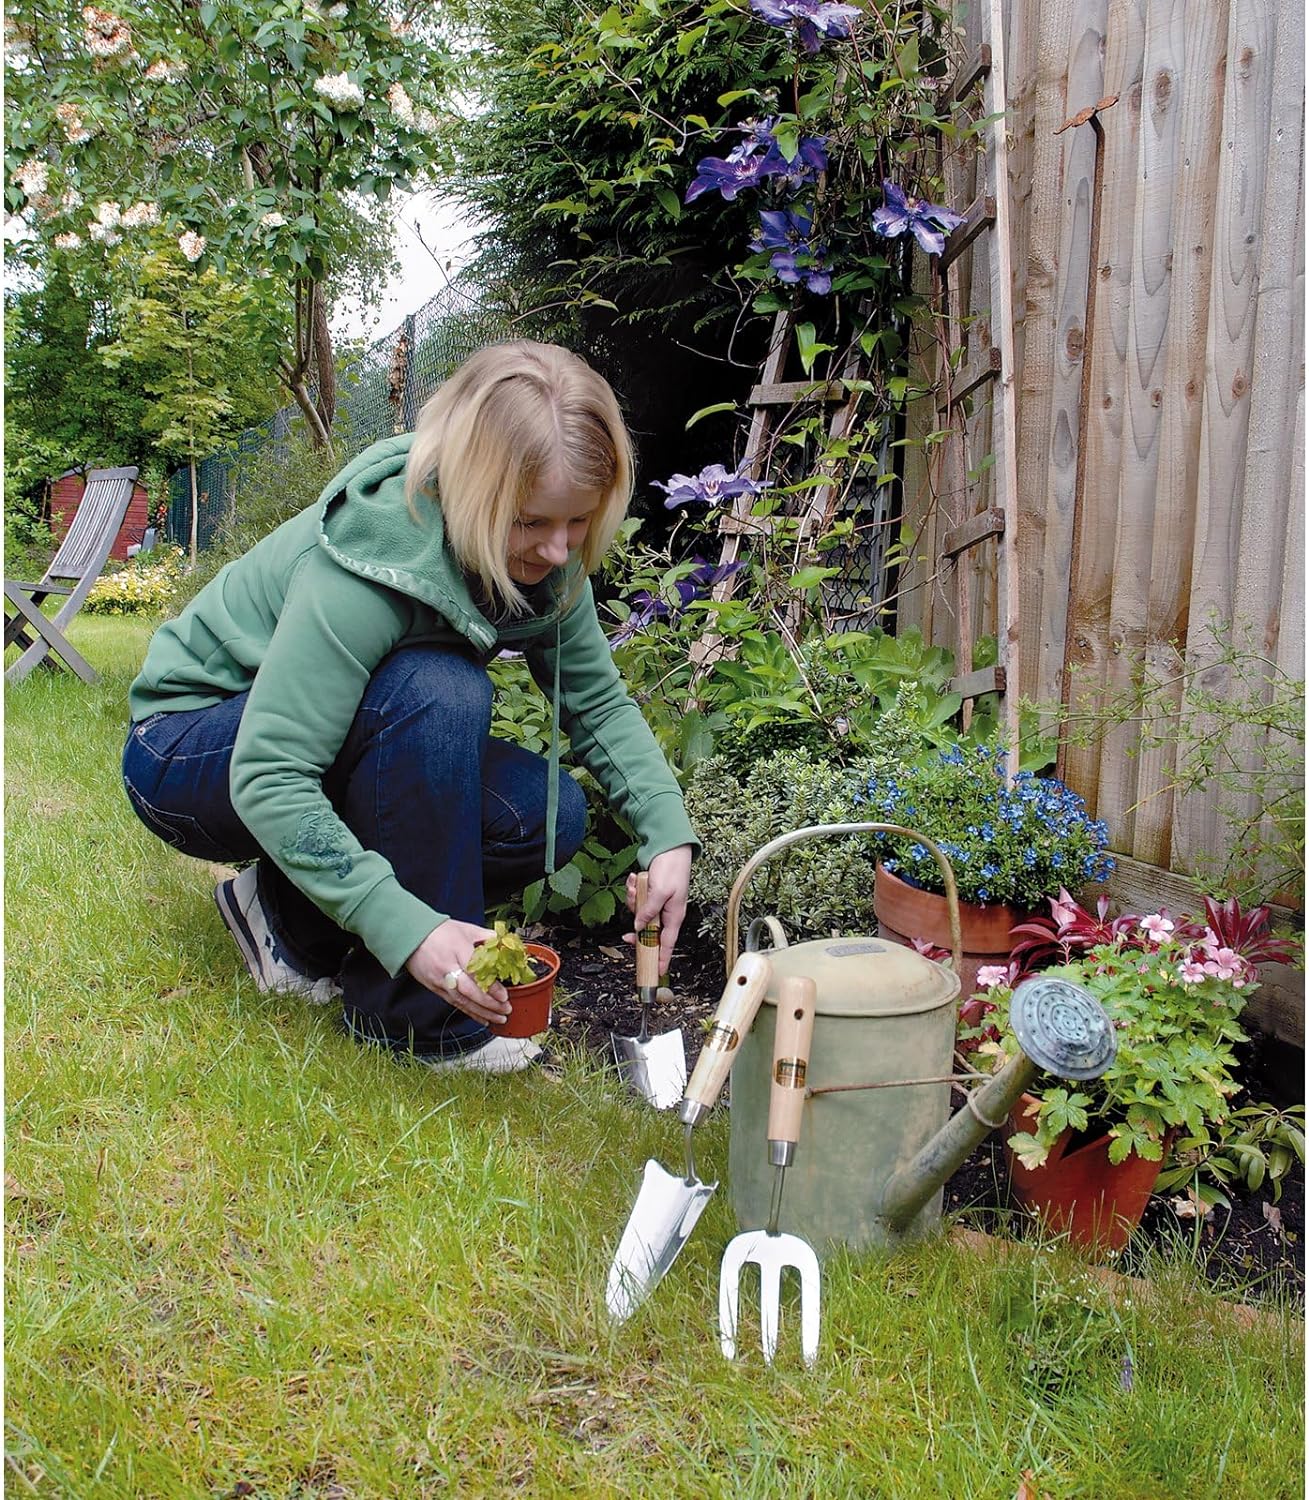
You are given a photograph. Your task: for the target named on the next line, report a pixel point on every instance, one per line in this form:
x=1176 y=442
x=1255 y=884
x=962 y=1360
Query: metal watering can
x=877 y=1141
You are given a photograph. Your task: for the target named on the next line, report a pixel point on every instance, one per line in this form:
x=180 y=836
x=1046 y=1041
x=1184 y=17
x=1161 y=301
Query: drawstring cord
x=552 y=773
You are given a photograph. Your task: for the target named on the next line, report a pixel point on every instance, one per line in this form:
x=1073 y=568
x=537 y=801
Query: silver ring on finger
x=451 y=980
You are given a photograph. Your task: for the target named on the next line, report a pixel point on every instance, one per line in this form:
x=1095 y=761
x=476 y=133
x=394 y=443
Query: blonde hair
x=508 y=416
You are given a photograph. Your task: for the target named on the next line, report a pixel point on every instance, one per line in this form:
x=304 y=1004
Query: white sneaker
x=240 y=907
x=502 y=1054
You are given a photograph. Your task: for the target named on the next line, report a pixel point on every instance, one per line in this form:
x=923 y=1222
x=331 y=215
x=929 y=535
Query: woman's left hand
x=665 y=902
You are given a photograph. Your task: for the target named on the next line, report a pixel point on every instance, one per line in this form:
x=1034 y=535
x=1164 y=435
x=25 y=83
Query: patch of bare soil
x=1253 y=1249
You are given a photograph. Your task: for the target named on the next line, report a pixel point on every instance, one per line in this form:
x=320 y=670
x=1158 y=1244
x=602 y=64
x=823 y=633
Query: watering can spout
x=1061 y=1029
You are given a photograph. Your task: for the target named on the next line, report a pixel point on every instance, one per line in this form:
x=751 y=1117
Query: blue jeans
x=459 y=815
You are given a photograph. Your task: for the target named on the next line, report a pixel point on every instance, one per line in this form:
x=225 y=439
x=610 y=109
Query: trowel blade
x=666 y=1210
x=653 y=1066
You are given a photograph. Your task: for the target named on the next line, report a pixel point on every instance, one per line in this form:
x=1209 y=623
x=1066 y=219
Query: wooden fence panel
x=1191 y=443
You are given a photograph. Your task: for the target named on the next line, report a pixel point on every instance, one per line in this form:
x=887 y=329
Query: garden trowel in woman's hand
x=668 y=1207
x=654 y=1066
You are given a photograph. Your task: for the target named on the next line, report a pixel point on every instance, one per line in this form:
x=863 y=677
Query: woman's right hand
x=449 y=947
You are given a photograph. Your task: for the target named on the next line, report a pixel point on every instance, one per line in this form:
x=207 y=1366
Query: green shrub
x=819 y=887
x=142 y=587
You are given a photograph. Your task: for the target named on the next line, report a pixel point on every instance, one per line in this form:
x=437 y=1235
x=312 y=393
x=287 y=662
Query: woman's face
x=552 y=522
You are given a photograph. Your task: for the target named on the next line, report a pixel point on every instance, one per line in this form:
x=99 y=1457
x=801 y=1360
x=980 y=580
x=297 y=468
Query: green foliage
x=591 y=886
x=270 y=487
x=1254 y=1145
x=264 y=136
x=147 y=585
x=63 y=406
x=501 y=957
x=1006 y=842
x=1175 y=1026
x=891 y=773
x=577 y=145
x=194 y=331
x=817 y=888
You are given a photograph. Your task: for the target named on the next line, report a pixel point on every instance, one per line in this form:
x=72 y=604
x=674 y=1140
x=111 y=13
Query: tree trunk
x=325 y=365
x=294 y=381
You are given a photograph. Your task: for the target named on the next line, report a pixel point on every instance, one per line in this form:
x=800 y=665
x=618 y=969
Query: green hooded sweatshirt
x=305 y=618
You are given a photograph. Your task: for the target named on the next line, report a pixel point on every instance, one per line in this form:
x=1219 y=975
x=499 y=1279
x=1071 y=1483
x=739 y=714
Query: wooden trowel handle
x=796 y=1001
x=647 y=943
x=736 y=1012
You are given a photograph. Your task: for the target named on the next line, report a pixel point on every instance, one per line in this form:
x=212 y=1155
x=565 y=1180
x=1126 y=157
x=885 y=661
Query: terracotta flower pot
x=905 y=912
x=1096 y=1202
x=531 y=1003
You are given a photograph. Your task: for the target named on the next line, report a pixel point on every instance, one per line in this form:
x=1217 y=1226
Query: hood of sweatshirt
x=366 y=525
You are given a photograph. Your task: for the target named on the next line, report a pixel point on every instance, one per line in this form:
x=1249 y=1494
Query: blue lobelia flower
x=708 y=487
x=814 y=18
x=929 y=223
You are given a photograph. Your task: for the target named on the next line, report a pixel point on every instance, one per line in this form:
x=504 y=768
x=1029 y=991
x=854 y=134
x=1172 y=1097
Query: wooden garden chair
x=73 y=571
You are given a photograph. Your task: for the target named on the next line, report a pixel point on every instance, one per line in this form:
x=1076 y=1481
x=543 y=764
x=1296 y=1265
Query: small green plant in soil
x=503 y=957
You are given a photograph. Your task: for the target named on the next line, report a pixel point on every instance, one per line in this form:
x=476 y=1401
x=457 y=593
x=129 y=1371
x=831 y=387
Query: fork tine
x=810 y=1302
x=770 y=1303
x=727 y=1304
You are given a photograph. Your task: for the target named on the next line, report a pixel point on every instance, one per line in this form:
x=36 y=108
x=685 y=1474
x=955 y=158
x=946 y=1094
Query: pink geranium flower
x=1156 y=926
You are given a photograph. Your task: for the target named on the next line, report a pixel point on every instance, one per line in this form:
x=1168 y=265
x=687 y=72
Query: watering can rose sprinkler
x=877 y=1141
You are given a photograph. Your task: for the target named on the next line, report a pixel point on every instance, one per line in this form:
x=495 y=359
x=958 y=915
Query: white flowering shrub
x=140 y=588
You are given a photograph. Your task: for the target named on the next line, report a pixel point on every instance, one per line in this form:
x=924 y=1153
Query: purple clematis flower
x=815 y=18
x=757 y=157
x=708 y=487
x=929 y=223
x=704 y=578
x=786 y=233
x=647 y=607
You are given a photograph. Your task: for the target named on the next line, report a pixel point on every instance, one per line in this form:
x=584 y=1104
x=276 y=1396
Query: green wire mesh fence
x=378 y=394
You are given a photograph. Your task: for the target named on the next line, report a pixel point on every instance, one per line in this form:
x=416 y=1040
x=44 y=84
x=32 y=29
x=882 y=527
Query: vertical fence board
x=1142 y=395
x=1089 y=566
x=1194 y=186
x=1247 y=110
x=1067 y=59
x=1193 y=442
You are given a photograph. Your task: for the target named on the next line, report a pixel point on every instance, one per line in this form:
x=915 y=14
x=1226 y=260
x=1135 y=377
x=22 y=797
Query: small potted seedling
x=527 y=971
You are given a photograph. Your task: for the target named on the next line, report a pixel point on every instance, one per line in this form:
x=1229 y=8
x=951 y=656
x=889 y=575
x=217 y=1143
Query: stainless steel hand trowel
x=668 y=1207
x=653 y=1066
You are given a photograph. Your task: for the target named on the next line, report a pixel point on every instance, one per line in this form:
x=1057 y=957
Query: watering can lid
x=864 y=976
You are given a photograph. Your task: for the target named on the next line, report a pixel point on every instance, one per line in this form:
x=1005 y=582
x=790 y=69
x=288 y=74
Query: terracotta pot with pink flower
x=1085 y=1156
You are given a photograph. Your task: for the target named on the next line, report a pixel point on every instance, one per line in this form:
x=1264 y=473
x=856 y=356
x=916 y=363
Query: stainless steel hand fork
x=770 y=1251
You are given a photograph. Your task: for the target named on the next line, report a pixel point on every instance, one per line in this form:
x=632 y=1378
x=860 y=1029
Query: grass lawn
x=246 y=1256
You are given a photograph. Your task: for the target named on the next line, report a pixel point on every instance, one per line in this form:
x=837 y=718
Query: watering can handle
x=825 y=830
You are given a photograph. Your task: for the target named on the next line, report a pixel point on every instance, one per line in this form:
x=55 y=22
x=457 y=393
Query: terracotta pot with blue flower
x=1010 y=845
